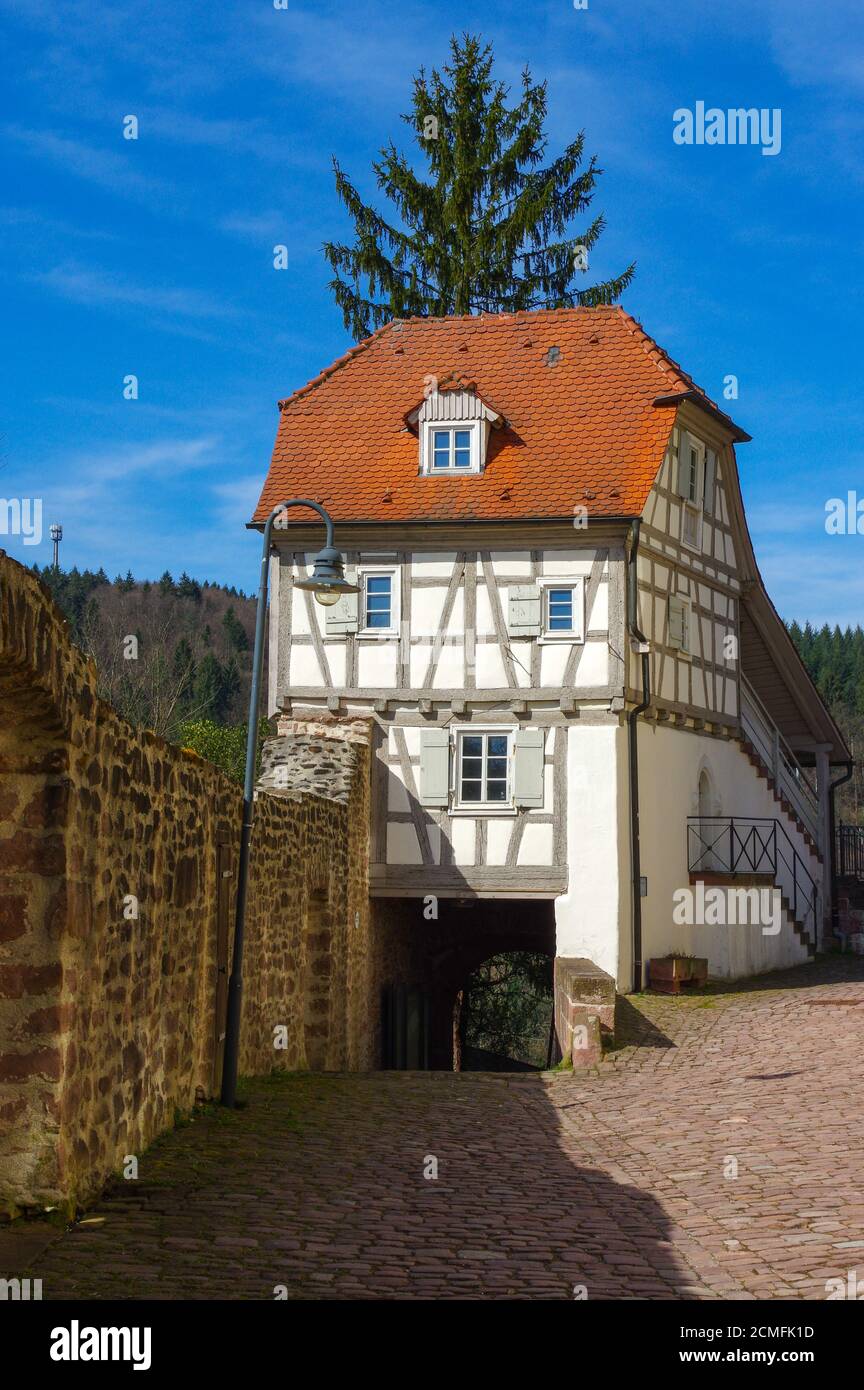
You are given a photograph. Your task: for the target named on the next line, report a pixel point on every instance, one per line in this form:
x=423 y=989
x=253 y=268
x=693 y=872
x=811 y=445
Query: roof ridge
x=432 y=319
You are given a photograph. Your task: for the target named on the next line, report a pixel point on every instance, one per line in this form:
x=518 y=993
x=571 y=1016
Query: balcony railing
x=790 y=779
x=752 y=845
x=850 y=851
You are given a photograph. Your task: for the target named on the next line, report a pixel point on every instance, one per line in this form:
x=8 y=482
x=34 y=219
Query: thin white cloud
x=236 y=499
x=114 y=171
x=84 y=286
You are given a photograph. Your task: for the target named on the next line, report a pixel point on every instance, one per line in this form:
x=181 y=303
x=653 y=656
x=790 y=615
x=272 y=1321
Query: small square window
x=452 y=450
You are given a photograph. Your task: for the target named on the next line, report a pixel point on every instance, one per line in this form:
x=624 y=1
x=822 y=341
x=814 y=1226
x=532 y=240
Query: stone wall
x=118 y=857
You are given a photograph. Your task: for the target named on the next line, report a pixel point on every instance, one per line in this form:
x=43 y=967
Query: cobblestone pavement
x=622 y=1180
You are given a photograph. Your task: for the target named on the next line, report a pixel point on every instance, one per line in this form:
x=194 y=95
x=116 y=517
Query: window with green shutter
x=524 y=610
x=528 y=763
x=434 y=788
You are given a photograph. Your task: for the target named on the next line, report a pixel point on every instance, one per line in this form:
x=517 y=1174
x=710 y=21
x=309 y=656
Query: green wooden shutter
x=343 y=616
x=710 y=476
x=678 y=635
x=528 y=767
x=434 y=767
x=524 y=611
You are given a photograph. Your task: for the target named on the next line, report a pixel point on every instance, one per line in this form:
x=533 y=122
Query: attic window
x=553 y=356
x=453 y=448
x=453 y=424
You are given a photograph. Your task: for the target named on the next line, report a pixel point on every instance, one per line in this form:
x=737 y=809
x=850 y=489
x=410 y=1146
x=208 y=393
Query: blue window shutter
x=528 y=767
x=524 y=611
x=434 y=767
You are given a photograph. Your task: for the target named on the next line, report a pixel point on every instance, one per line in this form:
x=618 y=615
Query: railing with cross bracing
x=753 y=845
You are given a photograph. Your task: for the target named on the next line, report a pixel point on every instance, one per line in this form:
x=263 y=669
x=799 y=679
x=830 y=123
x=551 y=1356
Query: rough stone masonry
x=115 y=851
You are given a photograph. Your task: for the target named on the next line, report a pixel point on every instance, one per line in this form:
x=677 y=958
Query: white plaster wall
x=403 y=847
x=489 y=665
x=588 y=915
x=427 y=607
x=670 y=761
x=593 y=669
x=568 y=562
x=303 y=667
x=597 y=617
x=433 y=565
x=377 y=662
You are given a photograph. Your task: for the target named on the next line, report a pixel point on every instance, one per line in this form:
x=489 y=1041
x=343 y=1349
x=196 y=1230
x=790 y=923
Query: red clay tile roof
x=585 y=431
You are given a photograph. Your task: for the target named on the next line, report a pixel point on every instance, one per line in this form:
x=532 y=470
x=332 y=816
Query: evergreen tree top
x=491 y=230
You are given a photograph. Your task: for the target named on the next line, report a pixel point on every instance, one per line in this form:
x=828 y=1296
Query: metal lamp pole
x=328 y=583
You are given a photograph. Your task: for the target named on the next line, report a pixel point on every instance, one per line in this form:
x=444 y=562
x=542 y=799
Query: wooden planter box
x=674 y=973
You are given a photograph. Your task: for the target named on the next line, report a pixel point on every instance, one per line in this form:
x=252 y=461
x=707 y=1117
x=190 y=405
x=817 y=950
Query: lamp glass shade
x=327 y=580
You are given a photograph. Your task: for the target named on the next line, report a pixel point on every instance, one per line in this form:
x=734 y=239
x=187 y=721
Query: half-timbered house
x=585 y=704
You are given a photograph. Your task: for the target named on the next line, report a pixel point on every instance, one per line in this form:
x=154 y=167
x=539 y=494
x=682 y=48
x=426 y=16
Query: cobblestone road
x=622 y=1181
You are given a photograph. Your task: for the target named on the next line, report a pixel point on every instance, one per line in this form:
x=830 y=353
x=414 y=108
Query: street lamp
x=328 y=583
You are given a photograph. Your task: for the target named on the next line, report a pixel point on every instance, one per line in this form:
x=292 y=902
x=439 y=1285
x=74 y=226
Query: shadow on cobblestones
x=319 y=1186
x=719 y=1158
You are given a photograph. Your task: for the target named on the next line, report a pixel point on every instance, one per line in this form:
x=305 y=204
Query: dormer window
x=453 y=449
x=453 y=424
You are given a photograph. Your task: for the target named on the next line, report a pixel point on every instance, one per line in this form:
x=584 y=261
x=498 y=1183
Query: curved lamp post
x=328 y=583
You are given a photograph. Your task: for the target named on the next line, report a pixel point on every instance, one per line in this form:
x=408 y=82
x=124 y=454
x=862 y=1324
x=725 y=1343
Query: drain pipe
x=638 y=643
x=832 y=847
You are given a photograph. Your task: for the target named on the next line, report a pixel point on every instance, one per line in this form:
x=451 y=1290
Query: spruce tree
x=492 y=228
x=235 y=632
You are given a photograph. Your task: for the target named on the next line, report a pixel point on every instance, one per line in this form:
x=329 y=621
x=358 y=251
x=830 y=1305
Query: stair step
x=785 y=805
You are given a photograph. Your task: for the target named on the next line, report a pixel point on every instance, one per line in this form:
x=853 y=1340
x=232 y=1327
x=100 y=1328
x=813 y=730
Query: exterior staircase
x=777 y=765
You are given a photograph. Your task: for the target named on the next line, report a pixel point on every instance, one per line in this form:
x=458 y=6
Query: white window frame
x=472 y=427
x=692 y=442
x=364 y=571
x=692 y=505
x=687 y=604
x=576 y=634
x=481 y=808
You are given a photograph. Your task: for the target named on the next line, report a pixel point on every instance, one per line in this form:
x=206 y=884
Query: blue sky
x=154 y=256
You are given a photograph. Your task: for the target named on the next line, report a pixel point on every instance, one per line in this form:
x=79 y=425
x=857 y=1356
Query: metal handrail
x=736 y=845
x=789 y=776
